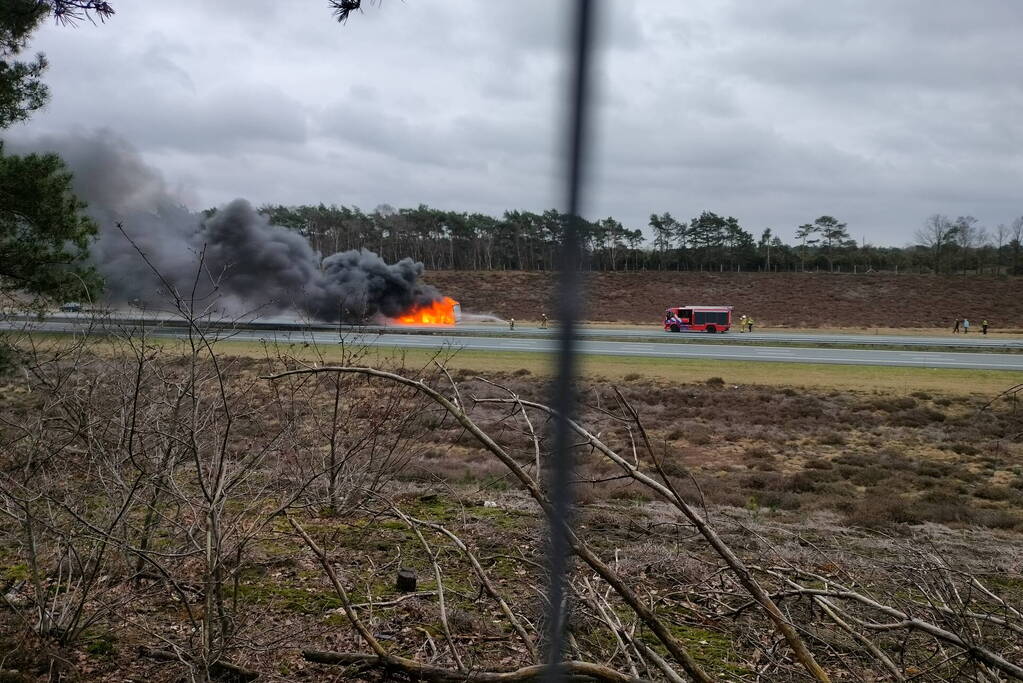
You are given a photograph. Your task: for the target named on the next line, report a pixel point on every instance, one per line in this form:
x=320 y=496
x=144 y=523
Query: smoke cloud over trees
x=234 y=258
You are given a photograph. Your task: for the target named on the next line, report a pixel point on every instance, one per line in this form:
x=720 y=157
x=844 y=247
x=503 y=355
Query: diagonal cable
x=568 y=308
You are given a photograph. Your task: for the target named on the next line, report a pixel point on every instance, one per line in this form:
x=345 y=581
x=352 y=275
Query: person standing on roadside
x=749 y=324
x=511 y=324
x=742 y=323
x=543 y=321
x=966 y=325
x=955 y=330
x=983 y=326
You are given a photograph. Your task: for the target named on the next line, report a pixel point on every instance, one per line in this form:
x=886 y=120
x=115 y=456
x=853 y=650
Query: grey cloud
x=772 y=111
x=845 y=47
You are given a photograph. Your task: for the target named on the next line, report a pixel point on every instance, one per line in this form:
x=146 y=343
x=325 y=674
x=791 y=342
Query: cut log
x=406 y=582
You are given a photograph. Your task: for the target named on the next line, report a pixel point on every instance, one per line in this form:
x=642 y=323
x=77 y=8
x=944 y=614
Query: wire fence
x=570 y=293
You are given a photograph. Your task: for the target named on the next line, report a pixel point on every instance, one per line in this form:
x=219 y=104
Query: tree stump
x=406 y=582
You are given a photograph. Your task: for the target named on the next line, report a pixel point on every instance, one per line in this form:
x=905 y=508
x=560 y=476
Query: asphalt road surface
x=733 y=336
x=653 y=333
x=544 y=344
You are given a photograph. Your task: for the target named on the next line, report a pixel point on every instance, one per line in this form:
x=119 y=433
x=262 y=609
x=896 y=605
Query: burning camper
x=443 y=312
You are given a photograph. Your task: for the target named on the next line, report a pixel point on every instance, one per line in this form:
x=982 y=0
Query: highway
x=975 y=360
x=733 y=337
x=651 y=334
x=961 y=341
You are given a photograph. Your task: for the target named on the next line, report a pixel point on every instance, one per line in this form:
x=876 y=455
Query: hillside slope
x=773 y=299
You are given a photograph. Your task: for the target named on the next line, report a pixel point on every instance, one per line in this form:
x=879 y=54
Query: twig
x=217 y=669
x=571 y=670
x=486 y=583
x=440 y=583
x=525 y=416
x=904 y=621
x=595 y=602
x=396 y=601
x=802 y=653
x=373 y=643
x=578 y=546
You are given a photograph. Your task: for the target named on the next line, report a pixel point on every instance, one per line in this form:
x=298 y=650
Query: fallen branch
x=672 y=496
x=388 y=662
x=392 y=603
x=597 y=602
x=487 y=584
x=836 y=614
x=579 y=547
x=903 y=621
x=440 y=584
x=426 y=672
x=219 y=670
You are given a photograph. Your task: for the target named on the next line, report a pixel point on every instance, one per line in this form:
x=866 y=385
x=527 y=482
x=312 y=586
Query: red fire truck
x=698 y=319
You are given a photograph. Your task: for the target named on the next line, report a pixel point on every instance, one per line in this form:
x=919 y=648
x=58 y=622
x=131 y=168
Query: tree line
x=524 y=240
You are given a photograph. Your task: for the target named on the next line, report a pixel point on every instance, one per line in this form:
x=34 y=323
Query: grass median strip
x=628 y=368
x=624 y=368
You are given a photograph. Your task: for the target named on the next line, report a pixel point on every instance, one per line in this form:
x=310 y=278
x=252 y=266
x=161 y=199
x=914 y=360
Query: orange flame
x=442 y=312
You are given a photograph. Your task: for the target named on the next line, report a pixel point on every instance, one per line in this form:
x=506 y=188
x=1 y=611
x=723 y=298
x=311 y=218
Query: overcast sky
x=774 y=111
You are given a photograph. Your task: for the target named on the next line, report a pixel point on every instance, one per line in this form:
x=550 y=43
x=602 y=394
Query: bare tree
x=1016 y=244
x=968 y=236
x=1000 y=238
x=937 y=234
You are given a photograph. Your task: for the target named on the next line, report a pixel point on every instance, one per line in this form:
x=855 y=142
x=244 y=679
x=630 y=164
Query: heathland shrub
x=854 y=459
x=894 y=460
x=965 y=449
x=938 y=470
x=698 y=434
x=994 y=492
x=879 y=510
x=892 y=404
x=779 y=500
x=869 y=476
x=802 y=482
x=998 y=519
x=831 y=439
x=758 y=451
x=917 y=417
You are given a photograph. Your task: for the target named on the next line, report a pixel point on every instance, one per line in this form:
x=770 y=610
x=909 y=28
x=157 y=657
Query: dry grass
x=928 y=458
x=902 y=380
x=614 y=368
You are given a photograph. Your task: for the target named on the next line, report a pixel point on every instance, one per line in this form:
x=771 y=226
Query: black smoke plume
x=234 y=257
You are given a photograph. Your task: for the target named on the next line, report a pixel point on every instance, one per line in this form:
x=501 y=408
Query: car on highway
x=710 y=319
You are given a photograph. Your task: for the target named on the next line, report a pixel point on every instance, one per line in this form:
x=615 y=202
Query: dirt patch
x=777 y=300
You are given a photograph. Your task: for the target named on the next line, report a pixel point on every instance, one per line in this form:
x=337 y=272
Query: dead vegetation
x=773 y=299
x=167 y=514
x=875 y=459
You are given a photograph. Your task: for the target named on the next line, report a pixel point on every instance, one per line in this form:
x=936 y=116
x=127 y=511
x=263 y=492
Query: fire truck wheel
x=711 y=329
x=674 y=328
